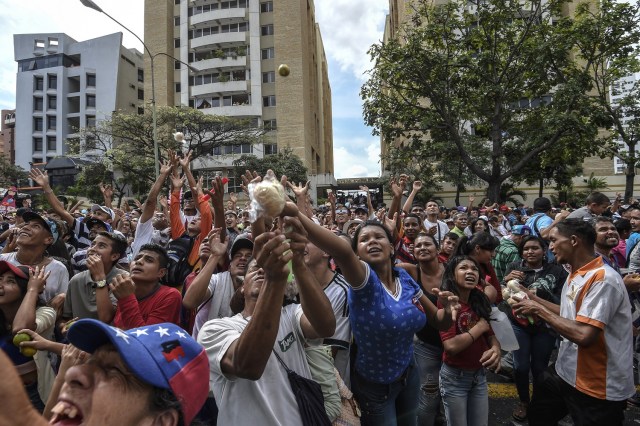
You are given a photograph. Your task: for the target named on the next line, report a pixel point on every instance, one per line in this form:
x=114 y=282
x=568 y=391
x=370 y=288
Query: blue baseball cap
x=162 y=355
x=521 y=230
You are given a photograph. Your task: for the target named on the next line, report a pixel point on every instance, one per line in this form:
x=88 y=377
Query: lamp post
x=91 y=5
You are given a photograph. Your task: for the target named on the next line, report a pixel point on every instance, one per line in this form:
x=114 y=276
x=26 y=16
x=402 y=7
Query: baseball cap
x=20 y=272
x=241 y=241
x=91 y=222
x=162 y=355
x=50 y=225
x=104 y=209
x=233 y=212
x=504 y=208
x=521 y=230
x=347 y=225
x=362 y=208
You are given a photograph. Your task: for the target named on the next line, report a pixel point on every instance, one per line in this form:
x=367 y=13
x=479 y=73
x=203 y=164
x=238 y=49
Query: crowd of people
x=189 y=309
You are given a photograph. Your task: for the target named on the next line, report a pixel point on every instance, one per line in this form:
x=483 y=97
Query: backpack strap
x=281 y=361
x=535 y=225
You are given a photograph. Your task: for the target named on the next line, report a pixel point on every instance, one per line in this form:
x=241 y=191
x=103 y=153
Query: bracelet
x=472 y=338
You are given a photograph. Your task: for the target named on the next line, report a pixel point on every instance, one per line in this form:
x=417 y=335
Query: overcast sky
x=348 y=28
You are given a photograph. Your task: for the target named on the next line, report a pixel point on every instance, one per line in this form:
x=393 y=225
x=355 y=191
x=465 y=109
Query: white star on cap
x=140 y=332
x=123 y=335
x=181 y=334
x=162 y=331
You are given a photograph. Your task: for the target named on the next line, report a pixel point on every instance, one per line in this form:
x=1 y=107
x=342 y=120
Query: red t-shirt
x=468 y=359
x=163 y=305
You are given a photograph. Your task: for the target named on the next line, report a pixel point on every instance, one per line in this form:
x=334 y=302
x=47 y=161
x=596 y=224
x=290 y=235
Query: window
x=91 y=101
x=178 y=88
x=140 y=110
x=37 y=144
x=91 y=80
x=51 y=143
x=268 y=53
x=177 y=2
x=37 y=104
x=37 y=124
x=267 y=30
x=176 y=20
x=52 y=81
x=266 y=7
x=176 y=42
x=38 y=83
x=270 y=149
x=52 y=102
x=90 y=143
x=234 y=185
x=51 y=122
x=270 y=125
x=53 y=42
x=269 y=101
x=140 y=74
x=39 y=44
x=91 y=121
x=140 y=94
x=177 y=65
x=269 y=77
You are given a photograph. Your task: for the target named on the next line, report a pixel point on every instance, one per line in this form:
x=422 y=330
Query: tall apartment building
x=64 y=85
x=8 y=134
x=237 y=46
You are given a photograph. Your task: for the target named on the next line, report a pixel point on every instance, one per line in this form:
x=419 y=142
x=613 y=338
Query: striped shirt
x=337 y=291
x=595 y=295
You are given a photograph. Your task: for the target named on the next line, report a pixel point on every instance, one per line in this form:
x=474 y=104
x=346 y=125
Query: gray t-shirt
x=219 y=294
x=81 y=295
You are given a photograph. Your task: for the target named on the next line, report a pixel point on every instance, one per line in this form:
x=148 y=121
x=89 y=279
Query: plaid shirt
x=506 y=253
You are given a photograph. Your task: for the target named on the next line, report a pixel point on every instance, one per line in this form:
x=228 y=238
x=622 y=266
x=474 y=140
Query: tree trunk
x=493 y=192
x=630 y=177
x=541 y=187
x=457 y=200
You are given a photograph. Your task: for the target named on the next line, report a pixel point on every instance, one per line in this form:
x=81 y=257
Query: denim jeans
x=393 y=404
x=429 y=361
x=534 y=354
x=34 y=396
x=465 y=396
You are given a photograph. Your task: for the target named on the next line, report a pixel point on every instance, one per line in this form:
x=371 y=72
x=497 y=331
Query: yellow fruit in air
x=28 y=351
x=21 y=337
x=284 y=70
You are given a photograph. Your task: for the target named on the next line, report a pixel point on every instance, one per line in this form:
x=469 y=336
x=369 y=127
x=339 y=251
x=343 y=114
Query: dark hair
x=474 y=222
x=603 y=219
x=165 y=400
x=578 y=227
x=484 y=240
x=623 y=225
x=478 y=301
x=118 y=243
x=598 y=198
x=452 y=236
x=413 y=215
x=528 y=238
x=162 y=253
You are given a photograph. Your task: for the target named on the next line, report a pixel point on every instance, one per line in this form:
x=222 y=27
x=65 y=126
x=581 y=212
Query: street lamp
x=91 y=5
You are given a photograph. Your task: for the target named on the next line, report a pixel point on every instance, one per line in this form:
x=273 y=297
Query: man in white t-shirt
x=592 y=378
x=249 y=382
x=435 y=227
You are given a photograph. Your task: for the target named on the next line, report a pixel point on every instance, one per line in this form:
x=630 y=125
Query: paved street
x=503 y=398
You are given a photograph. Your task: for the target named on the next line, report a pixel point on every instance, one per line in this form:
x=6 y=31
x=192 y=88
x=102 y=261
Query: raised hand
x=297 y=236
x=177 y=182
x=364 y=188
x=449 y=302
x=391 y=224
x=417 y=185
x=299 y=190
x=332 y=198
x=165 y=167
x=40 y=177
x=186 y=160
x=96 y=267
x=272 y=253
x=217 y=247
x=107 y=191
x=249 y=178
x=233 y=197
x=122 y=286
x=38 y=279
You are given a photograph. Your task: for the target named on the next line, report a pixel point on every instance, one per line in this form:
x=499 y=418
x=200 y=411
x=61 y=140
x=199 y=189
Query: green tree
x=607 y=40
x=494 y=82
x=123 y=143
x=10 y=174
x=88 y=182
x=285 y=162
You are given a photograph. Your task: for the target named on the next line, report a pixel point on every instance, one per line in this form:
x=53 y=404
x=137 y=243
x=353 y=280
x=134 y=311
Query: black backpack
x=179 y=268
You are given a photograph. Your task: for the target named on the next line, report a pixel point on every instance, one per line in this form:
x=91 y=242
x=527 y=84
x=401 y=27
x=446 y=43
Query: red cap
x=6 y=266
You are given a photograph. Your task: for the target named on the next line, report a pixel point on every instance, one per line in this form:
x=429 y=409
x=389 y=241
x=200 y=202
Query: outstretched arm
x=417 y=186
x=150 y=204
x=42 y=179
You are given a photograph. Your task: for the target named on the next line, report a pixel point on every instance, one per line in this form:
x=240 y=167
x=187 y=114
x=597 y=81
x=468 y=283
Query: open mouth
x=134 y=270
x=374 y=250
x=66 y=414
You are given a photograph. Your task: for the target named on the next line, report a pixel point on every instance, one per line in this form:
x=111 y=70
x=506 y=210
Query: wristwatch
x=101 y=283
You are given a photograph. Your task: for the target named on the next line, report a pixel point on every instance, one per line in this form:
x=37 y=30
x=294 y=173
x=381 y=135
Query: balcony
x=218 y=63
x=229 y=86
x=219 y=15
x=218 y=39
x=233 y=111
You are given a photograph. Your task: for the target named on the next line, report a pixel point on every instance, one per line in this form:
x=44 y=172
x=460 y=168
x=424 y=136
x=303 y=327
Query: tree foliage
x=10 y=174
x=123 y=143
x=285 y=162
x=490 y=83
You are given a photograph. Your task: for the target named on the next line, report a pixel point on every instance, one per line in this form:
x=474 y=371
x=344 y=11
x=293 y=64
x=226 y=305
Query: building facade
x=64 y=85
x=237 y=47
x=8 y=135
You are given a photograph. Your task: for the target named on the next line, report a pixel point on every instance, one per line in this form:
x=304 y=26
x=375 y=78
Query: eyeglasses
x=341 y=211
